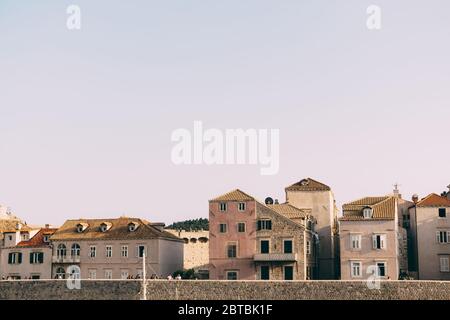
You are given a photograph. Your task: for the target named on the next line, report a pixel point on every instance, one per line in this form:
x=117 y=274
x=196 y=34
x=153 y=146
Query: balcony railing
x=66 y=259
x=275 y=257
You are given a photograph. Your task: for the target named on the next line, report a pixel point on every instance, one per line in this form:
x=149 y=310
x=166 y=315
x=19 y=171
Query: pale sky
x=86 y=116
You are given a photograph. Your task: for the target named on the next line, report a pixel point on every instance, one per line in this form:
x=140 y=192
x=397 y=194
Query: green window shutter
x=20 y=257
x=41 y=257
x=10 y=258
x=31 y=257
x=259 y=225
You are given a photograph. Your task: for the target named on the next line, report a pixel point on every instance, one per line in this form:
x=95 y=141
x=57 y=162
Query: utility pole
x=144 y=278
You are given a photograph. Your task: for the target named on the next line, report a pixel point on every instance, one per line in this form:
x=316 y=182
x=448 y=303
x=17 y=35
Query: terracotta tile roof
x=119 y=230
x=308 y=184
x=10 y=225
x=235 y=195
x=38 y=239
x=289 y=211
x=434 y=200
x=384 y=208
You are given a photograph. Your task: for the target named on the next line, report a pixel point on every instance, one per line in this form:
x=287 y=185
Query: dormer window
x=367 y=212
x=46 y=238
x=105 y=226
x=132 y=226
x=81 y=227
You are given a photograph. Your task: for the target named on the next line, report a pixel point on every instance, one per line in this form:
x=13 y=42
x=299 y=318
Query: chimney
x=397 y=191
x=47 y=226
x=415 y=198
x=276 y=201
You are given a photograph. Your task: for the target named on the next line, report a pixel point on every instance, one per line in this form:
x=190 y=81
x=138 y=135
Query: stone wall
x=258 y=290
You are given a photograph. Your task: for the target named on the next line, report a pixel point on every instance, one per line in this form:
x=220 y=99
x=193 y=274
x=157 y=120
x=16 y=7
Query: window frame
x=230 y=272
x=220 y=227
x=244 y=205
x=268 y=246
x=235 y=251
x=108 y=251
x=292 y=246
x=353 y=241
x=444 y=258
x=445 y=213
x=223 y=206
x=241 y=224
x=92 y=251
x=352 y=269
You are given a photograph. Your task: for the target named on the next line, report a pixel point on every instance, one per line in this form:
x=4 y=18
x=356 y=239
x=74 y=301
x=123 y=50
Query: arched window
x=60 y=273
x=203 y=239
x=75 y=252
x=61 y=251
x=193 y=240
x=186 y=240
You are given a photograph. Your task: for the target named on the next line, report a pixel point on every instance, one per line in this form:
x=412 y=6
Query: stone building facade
x=250 y=240
x=196 y=249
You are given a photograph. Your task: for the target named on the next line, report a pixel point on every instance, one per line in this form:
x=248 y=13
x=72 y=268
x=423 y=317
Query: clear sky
x=86 y=116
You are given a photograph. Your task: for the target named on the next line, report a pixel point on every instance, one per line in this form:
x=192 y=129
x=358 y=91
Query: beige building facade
x=432 y=215
x=318 y=197
x=372 y=240
x=115 y=249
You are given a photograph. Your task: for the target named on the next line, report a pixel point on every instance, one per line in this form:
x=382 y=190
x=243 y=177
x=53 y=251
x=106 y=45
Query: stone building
x=196 y=250
x=432 y=221
x=115 y=248
x=251 y=240
x=372 y=239
x=28 y=259
x=318 y=197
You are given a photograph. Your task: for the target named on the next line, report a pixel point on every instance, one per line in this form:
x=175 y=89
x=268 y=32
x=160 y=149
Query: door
x=288 y=273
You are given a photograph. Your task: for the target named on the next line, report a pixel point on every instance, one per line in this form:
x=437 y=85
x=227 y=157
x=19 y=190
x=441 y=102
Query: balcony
x=288 y=257
x=66 y=259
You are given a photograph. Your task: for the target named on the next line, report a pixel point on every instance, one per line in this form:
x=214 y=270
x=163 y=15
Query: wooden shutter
x=374 y=241
x=259 y=225
x=31 y=257
x=41 y=257
x=20 y=257
x=10 y=258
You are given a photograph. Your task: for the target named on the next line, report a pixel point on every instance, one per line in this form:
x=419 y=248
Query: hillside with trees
x=188 y=225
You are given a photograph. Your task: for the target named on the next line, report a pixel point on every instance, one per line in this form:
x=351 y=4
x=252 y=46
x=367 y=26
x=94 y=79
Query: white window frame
x=226 y=227
x=444 y=264
x=92 y=251
x=368 y=213
x=245 y=227
x=124 y=251
x=124 y=273
x=242 y=206
x=138 y=250
x=352 y=269
x=108 y=274
x=355 y=239
x=232 y=271
x=223 y=206
x=446 y=236
x=383 y=241
x=92 y=274
x=385 y=269
x=108 y=251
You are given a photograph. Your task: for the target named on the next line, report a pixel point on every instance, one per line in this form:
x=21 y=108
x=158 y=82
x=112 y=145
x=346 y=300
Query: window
x=46 y=238
x=367 y=212
x=92 y=251
x=287 y=246
x=264 y=273
x=264 y=246
x=141 y=251
x=288 y=273
x=132 y=227
x=232 y=250
x=232 y=275
x=124 y=274
x=60 y=273
x=124 y=251
x=35 y=276
x=443 y=236
x=223 y=228
x=75 y=250
x=36 y=257
x=25 y=236
x=264 y=225
x=381 y=267
x=92 y=274
x=444 y=264
x=222 y=206
x=379 y=241
x=15 y=258
x=355 y=269
x=108 y=274
x=108 y=251
x=308 y=248
x=355 y=241
x=61 y=251
x=241 y=206
x=241 y=227
x=442 y=213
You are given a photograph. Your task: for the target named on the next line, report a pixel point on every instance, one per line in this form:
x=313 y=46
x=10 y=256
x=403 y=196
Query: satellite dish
x=268 y=200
